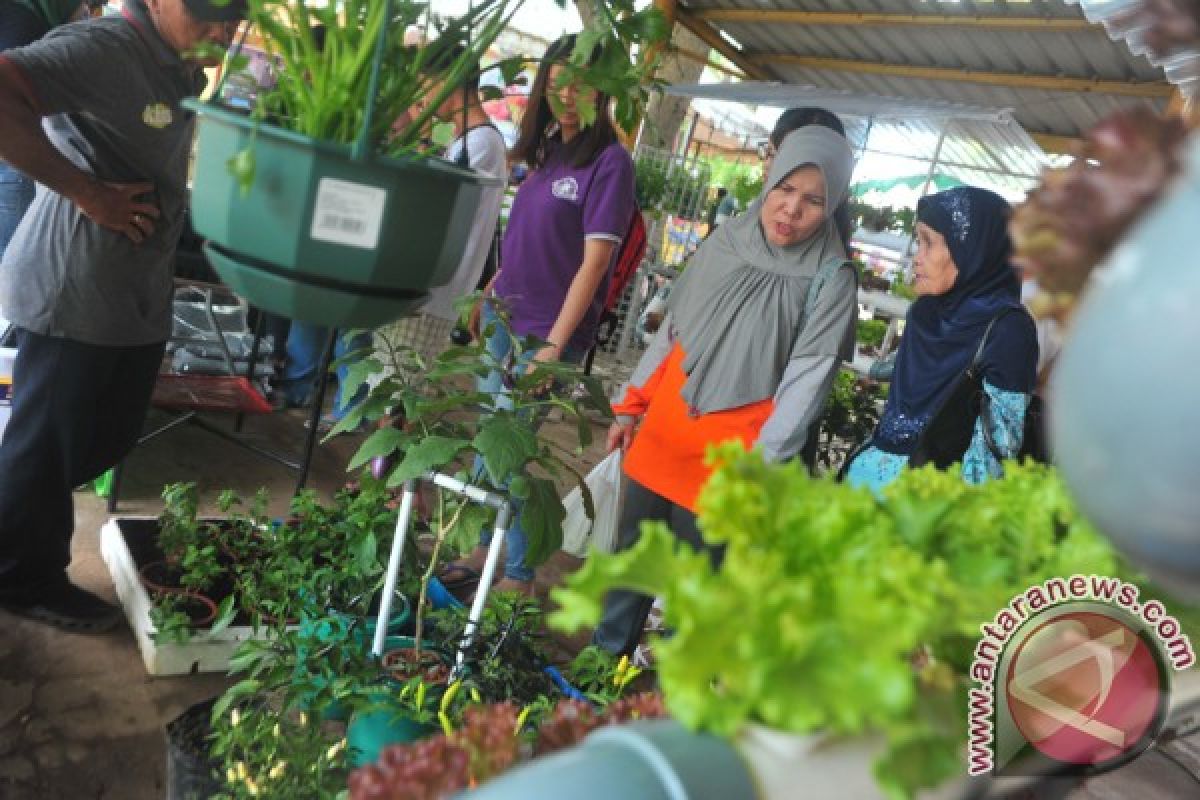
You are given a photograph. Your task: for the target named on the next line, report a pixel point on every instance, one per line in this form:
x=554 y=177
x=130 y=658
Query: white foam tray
x=205 y=652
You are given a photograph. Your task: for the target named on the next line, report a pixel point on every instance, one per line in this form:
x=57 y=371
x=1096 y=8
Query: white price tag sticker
x=348 y=213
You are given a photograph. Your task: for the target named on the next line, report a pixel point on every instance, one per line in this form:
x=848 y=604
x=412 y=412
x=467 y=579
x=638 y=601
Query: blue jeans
x=499 y=346
x=16 y=193
x=305 y=346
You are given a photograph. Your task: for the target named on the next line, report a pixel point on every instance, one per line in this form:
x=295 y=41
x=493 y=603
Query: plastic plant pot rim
x=655 y=741
x=266 y=130
x=307 y=279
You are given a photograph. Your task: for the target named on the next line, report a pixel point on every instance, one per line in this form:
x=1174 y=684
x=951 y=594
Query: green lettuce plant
x=837 y=612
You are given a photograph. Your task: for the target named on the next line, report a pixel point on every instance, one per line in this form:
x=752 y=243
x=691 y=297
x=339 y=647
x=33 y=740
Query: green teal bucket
x=324 y=630
x=331 y=222
x=368 y=733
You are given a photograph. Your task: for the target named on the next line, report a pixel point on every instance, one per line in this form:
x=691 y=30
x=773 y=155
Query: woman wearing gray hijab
x=756 y=328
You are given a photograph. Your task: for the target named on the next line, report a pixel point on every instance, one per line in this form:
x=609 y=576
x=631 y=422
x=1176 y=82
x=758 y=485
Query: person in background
x=91 y=112
x=793 y=119
x=566 y=223
x=23 y=22
x=964 y=282
x=726 y=207
x=478 y=145
x=304 y=348
x=756 y=329
x=715 y=208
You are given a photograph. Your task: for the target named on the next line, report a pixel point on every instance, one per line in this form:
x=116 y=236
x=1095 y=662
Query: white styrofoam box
x=205 y=652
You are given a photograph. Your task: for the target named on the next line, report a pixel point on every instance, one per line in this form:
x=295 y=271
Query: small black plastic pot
x=191 y=772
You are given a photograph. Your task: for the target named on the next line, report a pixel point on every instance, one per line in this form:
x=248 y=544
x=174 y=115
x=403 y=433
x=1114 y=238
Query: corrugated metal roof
x=978 y=147
x=1087 y=53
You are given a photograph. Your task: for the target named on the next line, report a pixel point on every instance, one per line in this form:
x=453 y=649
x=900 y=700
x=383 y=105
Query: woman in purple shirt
x=566 y=222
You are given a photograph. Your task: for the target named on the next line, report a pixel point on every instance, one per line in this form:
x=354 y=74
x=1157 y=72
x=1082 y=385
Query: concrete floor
x=79 y=716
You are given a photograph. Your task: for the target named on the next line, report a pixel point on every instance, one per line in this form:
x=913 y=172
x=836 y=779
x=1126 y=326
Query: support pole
x=503 y=517
x=393 y=568
x=474 y=494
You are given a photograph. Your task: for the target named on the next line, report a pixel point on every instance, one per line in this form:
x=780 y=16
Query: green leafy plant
x=853 y=614
x=446 y=426
x=870 y=332
x=904 y=289
x=676 y=189
x=601 y=676
x=851 y=416
x=747 y=186
x=271 y=573
x=329 y=89
x=506 y=656
x=268 y=754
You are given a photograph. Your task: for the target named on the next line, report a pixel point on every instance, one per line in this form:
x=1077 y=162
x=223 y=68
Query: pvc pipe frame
x=474 y=494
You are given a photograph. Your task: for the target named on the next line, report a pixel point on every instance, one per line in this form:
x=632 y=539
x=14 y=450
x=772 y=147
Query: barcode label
x=347 y=224
x=348 y=213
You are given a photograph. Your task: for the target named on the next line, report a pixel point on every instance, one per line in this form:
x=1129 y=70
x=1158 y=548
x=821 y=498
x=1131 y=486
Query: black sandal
x=458 y=576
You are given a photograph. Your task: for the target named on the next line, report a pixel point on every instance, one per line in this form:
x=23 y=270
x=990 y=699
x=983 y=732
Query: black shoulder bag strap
x=947 y=435
x=464 y=158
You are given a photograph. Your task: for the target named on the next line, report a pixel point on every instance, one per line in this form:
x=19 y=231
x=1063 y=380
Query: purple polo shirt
x=556 y=209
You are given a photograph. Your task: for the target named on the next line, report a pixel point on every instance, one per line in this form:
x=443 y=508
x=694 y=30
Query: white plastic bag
x=579 y=532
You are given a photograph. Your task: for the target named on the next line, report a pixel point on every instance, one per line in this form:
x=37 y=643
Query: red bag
x=629 y=258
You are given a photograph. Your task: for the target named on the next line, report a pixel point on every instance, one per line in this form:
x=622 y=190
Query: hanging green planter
x=320 y=235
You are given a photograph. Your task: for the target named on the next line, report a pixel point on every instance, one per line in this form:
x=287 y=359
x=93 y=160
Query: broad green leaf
x=505 y=443
x=464 y=535
x=242 y=166
x=238 y=690
x=226 y=612
x=368 y=552
x=431 y=453
x=542 y=516
x=380 y=443
x=647 y=567
x=443 y=133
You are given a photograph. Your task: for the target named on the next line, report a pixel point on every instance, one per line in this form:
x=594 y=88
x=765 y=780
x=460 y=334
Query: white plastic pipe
x=485 y=584
x=393 y=568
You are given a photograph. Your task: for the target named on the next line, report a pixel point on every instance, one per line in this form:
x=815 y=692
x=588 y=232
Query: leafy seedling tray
x=127 y=544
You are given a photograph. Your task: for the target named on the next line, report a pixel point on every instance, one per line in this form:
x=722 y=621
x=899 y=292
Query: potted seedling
x=450 y=429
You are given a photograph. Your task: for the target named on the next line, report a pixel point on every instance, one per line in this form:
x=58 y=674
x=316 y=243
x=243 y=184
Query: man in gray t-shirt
x=91 y=112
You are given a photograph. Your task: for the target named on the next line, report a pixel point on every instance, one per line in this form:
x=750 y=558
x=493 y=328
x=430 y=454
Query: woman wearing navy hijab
x=964 y=281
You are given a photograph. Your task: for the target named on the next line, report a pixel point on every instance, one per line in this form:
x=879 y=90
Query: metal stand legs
x=474 y=494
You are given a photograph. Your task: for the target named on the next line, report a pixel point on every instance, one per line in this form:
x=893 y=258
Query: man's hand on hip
x=115 y=206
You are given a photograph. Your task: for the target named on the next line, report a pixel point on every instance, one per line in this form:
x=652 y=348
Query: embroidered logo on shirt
x=157 y=115
x=565 y=189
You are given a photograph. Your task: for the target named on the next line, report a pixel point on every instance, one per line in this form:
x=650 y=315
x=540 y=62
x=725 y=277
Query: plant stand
x=474 y=494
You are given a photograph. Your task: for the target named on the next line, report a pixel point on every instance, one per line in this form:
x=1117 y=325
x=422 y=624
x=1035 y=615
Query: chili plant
x=446 y=425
